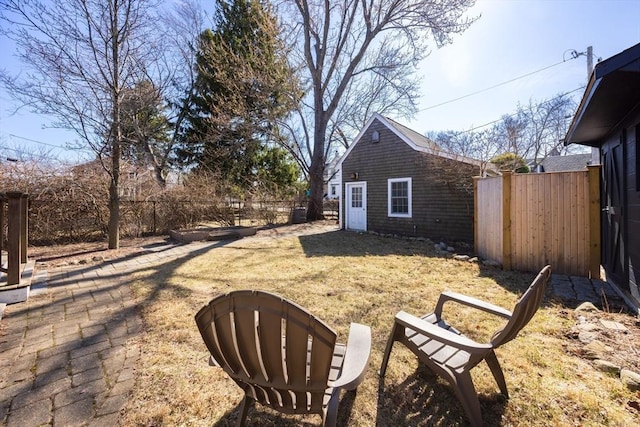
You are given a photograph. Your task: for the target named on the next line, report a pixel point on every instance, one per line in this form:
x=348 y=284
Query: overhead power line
x=516 y=113
x=49 y=145
x=26 y=154
x=497 y=85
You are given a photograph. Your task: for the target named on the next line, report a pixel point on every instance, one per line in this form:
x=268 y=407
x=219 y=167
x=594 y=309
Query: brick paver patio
x=68 y=355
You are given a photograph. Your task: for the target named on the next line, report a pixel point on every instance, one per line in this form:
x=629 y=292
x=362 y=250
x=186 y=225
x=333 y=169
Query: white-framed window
x=399 y=197
x=334 y=190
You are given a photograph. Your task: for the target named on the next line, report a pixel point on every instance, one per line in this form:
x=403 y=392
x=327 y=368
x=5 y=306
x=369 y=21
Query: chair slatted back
x=525 y=308
x=271 y=346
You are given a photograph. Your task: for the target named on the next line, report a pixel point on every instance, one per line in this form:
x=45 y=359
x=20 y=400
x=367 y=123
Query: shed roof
x=412 y=138
x=418 y=139
x=612 y=92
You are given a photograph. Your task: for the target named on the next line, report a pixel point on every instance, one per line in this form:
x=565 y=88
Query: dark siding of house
x=633 y=199
x=442 y=189
x=628 y=275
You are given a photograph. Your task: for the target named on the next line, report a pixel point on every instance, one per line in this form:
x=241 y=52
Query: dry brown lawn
x=344 y=277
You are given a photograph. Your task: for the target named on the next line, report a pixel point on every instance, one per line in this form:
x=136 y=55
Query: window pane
x=400 y=197
x=356 y=197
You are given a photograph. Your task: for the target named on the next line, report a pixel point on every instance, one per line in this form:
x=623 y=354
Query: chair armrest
x=440 y=334
x=471 y=302
x=356 y=358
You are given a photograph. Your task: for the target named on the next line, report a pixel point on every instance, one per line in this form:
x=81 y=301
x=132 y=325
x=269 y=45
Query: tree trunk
x=316 y=169
x=114 y=196
x=316 y=186
x=114 y=215
x=116 y=138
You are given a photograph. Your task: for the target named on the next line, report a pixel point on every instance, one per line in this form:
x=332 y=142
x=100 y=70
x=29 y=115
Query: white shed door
x=356 y=206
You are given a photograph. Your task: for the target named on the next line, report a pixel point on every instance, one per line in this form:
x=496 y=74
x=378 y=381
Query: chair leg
x=466 y=392
x=496 y=370
x=244 y=408
x=387 y=350
x=330 y=415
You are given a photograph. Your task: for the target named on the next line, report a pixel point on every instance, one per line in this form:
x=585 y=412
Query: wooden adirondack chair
x=450 y=354
x=280 y=355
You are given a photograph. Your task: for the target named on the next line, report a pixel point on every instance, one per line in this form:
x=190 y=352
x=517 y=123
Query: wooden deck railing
x=15 y=206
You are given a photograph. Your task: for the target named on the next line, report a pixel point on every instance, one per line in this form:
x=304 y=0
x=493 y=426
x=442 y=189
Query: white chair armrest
x=356 y=358
x=471 y=302
x=440 y=334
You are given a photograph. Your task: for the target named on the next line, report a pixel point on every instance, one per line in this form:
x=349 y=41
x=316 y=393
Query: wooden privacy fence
x=525 y=221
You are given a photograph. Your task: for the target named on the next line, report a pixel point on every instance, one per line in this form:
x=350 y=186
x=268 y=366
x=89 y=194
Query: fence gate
x=525 y=221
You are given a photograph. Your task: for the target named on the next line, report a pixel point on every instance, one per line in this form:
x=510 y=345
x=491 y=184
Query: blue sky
x=512 y=38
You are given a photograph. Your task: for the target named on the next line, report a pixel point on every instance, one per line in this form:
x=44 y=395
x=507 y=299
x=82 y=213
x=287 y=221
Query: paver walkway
x=68 y=355
x=572 y=290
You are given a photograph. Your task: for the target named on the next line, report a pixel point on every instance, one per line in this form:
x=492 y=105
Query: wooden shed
x=608 y=118
x=396 y=181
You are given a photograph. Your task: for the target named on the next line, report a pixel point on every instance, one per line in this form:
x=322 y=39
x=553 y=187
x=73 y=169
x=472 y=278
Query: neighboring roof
x=612 y=92
x=412 y=138
x=573 y=162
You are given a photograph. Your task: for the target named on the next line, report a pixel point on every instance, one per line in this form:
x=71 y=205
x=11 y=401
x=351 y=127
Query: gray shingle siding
x=441 y=209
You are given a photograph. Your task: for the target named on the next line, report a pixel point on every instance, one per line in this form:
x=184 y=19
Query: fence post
x=506 y=220
x=3 y=203
x=475 y=213
x=24 y=227
x=594 y=221
x=13 y=238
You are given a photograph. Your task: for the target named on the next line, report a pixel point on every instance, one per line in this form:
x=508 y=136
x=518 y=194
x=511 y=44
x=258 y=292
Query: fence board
x=489 y=218
x=551 y=221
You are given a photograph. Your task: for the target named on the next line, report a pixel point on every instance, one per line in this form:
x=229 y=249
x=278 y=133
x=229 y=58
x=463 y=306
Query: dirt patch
x=90 y=252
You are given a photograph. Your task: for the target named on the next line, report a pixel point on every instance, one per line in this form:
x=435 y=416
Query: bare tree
x=478 y=145
x=546 y=125
x=356 y=57
x=80 y=57
x=465 y=143
x=509 y=133
x=534 y=131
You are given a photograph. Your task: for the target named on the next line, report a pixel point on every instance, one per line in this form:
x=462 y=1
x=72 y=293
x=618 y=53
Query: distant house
x=608 y=118
x=332 y=179
x=135 y=182
x=396 y=181
x=557 y=163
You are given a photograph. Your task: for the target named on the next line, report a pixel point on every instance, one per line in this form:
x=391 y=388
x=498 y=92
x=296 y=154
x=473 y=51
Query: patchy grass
x=345 y=277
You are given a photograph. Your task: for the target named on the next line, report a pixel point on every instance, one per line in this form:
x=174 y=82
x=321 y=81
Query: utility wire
x=496 y=85
x=49 y=145
x=515 y=114
x=29 y=155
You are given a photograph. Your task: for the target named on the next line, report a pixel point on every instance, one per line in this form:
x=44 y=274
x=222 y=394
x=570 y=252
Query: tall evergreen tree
x=146 y=129
x=244 y=85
